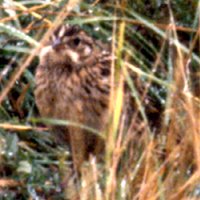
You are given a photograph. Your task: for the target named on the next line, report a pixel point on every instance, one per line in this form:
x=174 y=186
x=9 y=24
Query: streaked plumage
x=73 y=83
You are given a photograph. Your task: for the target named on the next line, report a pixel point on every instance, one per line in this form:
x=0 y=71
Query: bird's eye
x=76 y=41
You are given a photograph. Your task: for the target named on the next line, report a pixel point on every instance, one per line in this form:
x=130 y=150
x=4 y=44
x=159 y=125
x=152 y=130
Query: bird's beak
x=57 y=43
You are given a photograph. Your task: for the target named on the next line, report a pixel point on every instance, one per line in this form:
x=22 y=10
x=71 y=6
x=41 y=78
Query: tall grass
x=153 y=150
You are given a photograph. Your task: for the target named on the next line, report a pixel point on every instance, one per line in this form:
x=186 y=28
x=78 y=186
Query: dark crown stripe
x=69 y=30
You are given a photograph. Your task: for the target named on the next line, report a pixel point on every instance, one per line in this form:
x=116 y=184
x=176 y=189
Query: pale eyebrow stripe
x=61 y=31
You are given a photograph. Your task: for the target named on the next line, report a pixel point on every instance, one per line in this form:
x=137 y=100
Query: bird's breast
x=80 y=97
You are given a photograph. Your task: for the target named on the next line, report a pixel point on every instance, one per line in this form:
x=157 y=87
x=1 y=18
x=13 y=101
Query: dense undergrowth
x=156 y=44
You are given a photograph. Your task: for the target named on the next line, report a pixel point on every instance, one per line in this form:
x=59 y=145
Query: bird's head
x=68 y=45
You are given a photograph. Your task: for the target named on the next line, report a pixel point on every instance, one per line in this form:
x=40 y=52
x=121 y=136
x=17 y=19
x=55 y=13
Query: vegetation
x=158 y=156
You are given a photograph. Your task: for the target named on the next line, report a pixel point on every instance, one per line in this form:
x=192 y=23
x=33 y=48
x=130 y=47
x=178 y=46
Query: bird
x=73 y=82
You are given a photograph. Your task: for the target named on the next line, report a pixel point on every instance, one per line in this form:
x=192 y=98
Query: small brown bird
x=73 y=83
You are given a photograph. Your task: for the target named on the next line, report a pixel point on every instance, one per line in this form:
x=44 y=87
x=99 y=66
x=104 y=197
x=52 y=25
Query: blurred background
x=157 y=47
